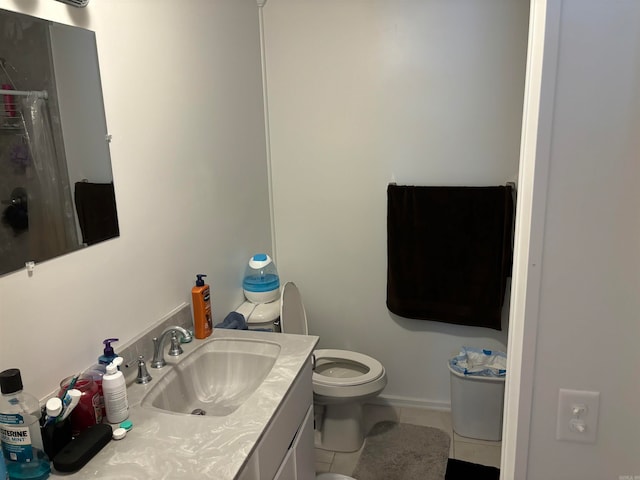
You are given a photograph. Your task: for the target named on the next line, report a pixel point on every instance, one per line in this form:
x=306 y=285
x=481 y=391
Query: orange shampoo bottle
x=202 y=317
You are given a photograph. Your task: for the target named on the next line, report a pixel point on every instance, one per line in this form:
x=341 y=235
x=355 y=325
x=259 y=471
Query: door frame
x=536 y=138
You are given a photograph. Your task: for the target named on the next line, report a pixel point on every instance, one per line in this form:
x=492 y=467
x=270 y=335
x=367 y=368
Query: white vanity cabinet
x=270 y=436
x=286 y=449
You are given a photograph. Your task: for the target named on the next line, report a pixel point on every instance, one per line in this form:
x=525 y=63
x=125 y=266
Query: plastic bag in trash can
x=480 y=362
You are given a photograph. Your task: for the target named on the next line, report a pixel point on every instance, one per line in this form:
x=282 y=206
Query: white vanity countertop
x=167 y=446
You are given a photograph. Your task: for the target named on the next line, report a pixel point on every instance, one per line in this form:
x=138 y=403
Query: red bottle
x=88 y=411
x=9 y=101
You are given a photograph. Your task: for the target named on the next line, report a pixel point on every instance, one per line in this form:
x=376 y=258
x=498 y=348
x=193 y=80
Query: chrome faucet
x=143 y=374
x=158 y=345
x=175 y=349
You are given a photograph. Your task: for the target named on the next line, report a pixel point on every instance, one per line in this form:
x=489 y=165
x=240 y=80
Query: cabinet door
x=287 y=470
x=305 y=449
x=279 y=437
x=299 y=463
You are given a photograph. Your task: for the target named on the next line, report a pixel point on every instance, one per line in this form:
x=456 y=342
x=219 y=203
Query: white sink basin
x=214 y=379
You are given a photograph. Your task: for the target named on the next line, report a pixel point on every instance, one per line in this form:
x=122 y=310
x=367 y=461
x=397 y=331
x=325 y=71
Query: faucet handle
x=143 y=374
x=175 y=348
x=188 y=338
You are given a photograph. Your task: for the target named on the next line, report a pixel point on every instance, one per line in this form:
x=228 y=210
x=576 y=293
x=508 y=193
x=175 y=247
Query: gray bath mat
x=399 y=451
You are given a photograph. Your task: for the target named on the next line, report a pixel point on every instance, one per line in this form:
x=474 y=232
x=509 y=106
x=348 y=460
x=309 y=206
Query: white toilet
x=342 y=380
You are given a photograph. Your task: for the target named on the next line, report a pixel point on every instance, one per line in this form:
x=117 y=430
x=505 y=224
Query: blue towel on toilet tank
x=234 y=321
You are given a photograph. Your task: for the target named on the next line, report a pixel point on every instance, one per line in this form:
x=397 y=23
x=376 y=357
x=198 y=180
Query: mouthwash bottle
x=20 y=430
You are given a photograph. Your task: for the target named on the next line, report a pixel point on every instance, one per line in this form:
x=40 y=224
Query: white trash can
x=477 y=404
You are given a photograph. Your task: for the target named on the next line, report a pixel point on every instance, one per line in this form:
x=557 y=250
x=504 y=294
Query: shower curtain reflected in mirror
x=52 y=230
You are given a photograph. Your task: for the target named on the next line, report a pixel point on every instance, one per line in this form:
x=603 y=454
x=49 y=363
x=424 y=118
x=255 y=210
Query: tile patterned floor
x=468 y=449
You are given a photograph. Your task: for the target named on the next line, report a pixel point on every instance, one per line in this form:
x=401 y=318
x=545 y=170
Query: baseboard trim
x=398 y=401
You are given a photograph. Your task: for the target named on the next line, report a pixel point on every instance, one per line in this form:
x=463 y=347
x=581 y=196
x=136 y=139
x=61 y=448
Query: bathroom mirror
x=56 y=182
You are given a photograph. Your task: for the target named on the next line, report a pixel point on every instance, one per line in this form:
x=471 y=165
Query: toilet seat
x=342 y=381
x=373 y=367
x=355 y=375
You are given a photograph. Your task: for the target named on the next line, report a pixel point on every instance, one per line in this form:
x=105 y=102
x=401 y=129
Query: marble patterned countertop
x=170 y=446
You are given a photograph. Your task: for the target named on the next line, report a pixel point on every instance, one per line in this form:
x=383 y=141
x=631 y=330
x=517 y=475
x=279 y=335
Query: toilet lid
x=293 y=318
x=374 y=368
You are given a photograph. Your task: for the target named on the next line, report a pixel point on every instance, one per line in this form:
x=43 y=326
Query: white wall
x=587 y=325
x=365 y=92
x=183 y=99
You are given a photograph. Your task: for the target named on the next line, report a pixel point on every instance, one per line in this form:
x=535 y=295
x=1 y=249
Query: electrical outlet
x=577 y=416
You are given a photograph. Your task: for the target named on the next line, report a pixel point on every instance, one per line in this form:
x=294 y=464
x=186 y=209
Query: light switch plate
x=577 y=415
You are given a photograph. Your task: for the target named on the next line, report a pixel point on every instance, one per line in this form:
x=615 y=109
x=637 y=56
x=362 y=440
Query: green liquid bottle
x=20 y=430
x=3 y=468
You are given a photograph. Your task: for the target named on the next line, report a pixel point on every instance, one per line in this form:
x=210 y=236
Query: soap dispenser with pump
x=108 y=355
x=97 y=371
x=114 y=387
x=201 y=298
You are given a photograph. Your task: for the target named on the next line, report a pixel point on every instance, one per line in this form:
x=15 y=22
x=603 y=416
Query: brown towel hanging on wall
x=96 y=209
x=449 y=253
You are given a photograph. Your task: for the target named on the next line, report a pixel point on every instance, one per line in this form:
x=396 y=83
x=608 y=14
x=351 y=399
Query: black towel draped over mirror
x=96 y=209
x=449 y=252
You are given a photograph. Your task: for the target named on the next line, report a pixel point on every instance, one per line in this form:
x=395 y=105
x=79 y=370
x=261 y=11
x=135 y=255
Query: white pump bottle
x=114 y=389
